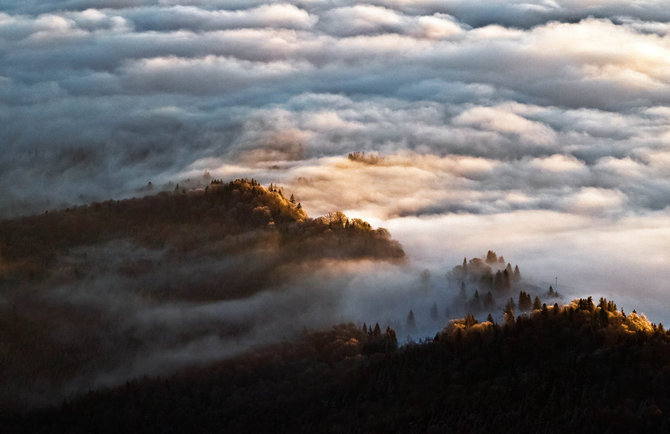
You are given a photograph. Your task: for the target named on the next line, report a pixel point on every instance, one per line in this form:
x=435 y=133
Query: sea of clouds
x=538 y=129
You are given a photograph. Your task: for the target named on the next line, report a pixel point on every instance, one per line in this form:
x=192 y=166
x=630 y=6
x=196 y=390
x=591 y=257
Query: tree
x=507 y=281
x=525 y=302
x=510 y=306
x=508 y=314
x=462 y=294
x=475 y=303
x=488 y=300
x=411 y=323
x=433 y=312
x=390 y=339
x=537 y=304
x=498 y=282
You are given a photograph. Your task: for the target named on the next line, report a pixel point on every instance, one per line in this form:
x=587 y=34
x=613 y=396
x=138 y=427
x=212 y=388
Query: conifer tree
x=488 y=300
x=508 y=314
x=411 y=323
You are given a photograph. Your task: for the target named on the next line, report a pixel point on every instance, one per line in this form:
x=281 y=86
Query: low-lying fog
x=540 y=132
x=592 y=227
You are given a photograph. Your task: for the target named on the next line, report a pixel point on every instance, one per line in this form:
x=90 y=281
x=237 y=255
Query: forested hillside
x=224 y=218
x=581 y=368
x=96 y=294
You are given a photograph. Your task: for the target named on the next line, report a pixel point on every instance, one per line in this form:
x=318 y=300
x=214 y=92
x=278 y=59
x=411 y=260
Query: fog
x=129 y=312
x=540 y=131
x=600 y=228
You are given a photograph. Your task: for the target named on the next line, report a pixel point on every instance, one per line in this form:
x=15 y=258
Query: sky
x=538 y=129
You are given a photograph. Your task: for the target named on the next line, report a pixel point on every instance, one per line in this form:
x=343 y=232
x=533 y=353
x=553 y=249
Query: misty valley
x=309 y=216
x=226 y=307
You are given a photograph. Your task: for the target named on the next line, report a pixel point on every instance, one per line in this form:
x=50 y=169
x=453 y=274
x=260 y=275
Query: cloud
x=596 y=201
x=506 y=122
x=368 y=19
x=192 y=17
x=505 y=112
x=200 y=75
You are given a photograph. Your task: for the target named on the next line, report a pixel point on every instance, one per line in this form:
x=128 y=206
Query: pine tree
x=508 y=314
x=510 y=306
x=411 y=323
x=462 y=294
x=470 y=320
x=475 y=303
x=498 y=284
x=525 y=302
x=507 y=280
x=488 y=300
x=390 y=339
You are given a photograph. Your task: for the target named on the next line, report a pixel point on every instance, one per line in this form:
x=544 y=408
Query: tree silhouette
x=411 y=323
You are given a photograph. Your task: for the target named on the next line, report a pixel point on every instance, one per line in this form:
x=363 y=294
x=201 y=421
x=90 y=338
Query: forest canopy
x=89 y=290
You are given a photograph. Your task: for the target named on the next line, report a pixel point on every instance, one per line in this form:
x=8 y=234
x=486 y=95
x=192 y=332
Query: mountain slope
x=580 y=367
x=94 y=295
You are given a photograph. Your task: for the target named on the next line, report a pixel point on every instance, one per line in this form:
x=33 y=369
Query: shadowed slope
x=582 y=368
x=101 y=293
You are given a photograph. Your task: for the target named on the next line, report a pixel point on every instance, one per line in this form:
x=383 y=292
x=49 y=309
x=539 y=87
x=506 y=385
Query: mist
x=136 y=312
x=538 y=131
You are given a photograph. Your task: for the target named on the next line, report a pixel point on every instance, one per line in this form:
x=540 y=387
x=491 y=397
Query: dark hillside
x=578 y=368
x=223 y=218
x=88 y=291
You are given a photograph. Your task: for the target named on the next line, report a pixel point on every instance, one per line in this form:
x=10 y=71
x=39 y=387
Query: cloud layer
x=555 y=108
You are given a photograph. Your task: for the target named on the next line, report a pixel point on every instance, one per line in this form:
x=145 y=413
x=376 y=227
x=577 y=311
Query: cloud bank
x=549 y=119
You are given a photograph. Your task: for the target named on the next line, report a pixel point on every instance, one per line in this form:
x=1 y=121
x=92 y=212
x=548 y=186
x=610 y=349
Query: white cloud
x=501 y=120
x=559 y=105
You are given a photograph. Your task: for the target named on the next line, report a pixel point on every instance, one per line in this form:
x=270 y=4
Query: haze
x=539 y=130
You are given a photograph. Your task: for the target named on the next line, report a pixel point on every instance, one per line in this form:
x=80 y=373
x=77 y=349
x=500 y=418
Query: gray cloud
x=490 y=110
